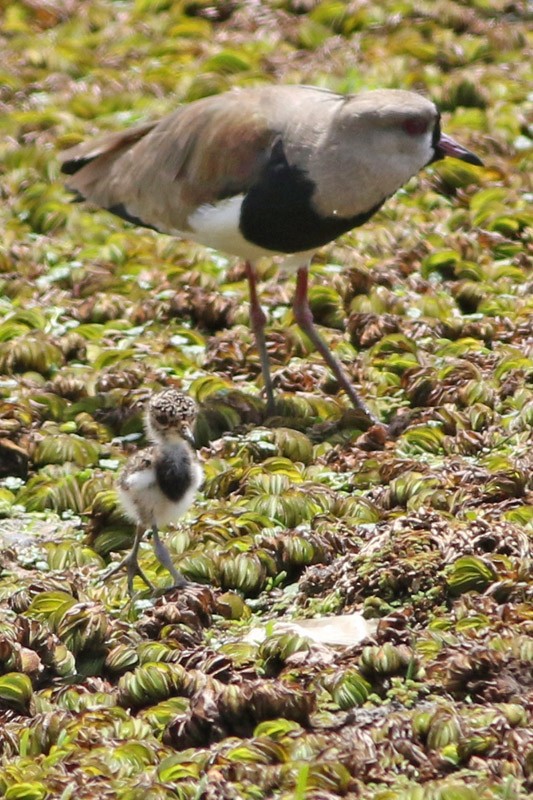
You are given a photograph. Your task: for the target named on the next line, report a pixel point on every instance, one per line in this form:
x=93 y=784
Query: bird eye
x=415 y=126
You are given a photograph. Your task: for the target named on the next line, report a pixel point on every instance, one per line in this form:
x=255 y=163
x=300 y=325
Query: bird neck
x=360 y=167
x=171 y=441
x=163 y=439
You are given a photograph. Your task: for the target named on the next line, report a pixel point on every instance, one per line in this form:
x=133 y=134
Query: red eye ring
x=415 y=126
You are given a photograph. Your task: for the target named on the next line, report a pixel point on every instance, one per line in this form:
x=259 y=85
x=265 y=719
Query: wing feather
x=157 y=174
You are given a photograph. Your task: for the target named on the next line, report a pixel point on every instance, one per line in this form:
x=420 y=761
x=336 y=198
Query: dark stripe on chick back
x=277 y=212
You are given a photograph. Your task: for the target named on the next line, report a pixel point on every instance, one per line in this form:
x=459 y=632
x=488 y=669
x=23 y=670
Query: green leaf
x=15 y=691
x=470 y=573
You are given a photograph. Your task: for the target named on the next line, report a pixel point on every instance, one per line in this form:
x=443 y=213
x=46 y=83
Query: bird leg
x=258 y=322
x=164 y=558
x=131 y=562
x=304 y=318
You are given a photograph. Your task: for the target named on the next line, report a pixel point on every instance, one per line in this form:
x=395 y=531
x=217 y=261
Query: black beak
x=188 y=435
x=446 y=146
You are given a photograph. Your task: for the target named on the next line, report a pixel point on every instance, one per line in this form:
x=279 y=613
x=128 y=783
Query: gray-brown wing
x=157 y=174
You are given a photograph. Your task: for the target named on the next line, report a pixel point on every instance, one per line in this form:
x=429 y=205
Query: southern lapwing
x=158 y=484
x=275 y=170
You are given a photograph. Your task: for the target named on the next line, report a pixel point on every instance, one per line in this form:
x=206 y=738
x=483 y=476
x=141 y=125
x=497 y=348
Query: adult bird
x=274 y=170
x=158 y=484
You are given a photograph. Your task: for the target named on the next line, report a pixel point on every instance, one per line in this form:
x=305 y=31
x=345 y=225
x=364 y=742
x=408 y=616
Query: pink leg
x=258 y=321
x=304 y=318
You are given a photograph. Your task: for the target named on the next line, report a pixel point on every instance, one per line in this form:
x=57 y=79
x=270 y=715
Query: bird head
x=170 y=415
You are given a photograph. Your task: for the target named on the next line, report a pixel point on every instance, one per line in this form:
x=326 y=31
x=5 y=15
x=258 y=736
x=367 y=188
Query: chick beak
x=188 y=435
x=446 y=146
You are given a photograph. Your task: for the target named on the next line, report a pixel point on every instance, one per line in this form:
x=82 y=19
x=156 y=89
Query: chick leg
x=164 y=558
x=131 y=562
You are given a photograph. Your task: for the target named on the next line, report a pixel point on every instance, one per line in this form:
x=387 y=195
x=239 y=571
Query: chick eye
x=415 y=126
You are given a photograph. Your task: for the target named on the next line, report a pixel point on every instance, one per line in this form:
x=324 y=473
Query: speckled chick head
x=170 y=414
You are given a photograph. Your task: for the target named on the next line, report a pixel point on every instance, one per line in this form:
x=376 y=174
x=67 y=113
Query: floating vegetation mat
x=360 y=619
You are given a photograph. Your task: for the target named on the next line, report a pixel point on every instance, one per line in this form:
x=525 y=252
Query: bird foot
x=133 y=568
x=176 y=586
x=375 y=438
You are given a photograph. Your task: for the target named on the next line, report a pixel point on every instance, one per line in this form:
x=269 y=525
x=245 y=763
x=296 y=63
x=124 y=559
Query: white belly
x=144 y=502
x=217 y=225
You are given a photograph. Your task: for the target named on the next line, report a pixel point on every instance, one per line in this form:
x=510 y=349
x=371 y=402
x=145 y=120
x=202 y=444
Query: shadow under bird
x=274 y=170
x=158 y=484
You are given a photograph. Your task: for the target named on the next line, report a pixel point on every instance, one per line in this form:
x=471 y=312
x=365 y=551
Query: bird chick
x=158 y=484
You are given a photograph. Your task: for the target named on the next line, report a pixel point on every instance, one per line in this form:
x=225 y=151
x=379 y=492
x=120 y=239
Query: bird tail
x=89 y=163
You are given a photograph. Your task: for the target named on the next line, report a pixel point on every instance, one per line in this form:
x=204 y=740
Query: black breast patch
x=277 y=212
x=173 y=472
